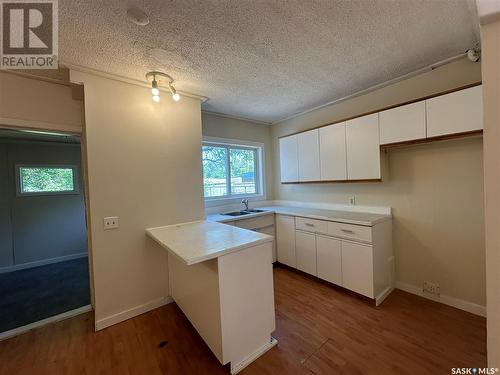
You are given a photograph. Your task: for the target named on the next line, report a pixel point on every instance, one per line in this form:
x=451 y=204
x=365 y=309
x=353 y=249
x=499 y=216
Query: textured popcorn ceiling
x=266 y=59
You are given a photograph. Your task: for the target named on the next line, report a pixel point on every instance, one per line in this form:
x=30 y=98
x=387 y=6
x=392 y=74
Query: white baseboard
x=43 y=262
x=237 y=367
x=130 y=313
x=56 y=318
x=447 y=300
x=382 y=296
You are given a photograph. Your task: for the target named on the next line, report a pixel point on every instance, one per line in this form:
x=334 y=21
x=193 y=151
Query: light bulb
x=176 y=97
x=154 y=88
x=156 y=98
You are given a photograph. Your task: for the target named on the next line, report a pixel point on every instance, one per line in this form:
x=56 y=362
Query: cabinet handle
x=309 y=225
x=347 y=231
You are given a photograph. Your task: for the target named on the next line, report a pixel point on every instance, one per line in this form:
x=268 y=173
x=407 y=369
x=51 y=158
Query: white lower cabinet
x=357 y=268
x=269 y=230
x=357 y=257
x=329 y=259
x=262 y=224
x=285 y=240
x=305 y=249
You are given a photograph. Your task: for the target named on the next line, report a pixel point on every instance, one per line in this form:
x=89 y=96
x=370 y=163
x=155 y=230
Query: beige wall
x=490 y=37
x=435 y=190
x=223 y=127
x=29 y=102
x=143 y=166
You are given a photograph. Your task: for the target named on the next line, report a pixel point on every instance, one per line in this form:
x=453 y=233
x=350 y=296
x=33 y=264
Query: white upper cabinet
x=363 y=151
x=308 y=146
x=289 y=162
x=351 y=150
x=403 y=123
x=333 y=164
x=457 y=112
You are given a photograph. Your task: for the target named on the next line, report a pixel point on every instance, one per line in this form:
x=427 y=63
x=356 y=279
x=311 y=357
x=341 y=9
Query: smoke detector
x=138 y=16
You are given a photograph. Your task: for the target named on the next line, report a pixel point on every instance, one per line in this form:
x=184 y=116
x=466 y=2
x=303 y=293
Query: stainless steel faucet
x=245 y=202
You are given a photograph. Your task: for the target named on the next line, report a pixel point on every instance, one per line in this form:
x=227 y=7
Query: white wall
x=224 y=127
x=435 y=190
x=32 y=102
x=490 y=37
x=144 y=165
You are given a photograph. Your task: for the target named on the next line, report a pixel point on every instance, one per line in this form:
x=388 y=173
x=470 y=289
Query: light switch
x=111 y=222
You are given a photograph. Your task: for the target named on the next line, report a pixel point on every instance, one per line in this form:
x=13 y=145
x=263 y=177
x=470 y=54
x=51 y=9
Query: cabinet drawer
x=311 y=225
x=255 y=222
x=350 y=231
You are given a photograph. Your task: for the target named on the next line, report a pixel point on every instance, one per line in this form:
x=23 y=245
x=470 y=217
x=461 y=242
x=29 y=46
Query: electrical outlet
x=352 y=201
x=432 y=288
x=111 y=222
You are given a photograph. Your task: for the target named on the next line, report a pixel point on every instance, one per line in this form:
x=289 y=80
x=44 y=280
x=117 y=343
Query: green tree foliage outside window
x=46 y=179
x=223 y=164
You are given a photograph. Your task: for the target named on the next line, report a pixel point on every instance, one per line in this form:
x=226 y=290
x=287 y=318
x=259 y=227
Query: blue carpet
x=33 y=294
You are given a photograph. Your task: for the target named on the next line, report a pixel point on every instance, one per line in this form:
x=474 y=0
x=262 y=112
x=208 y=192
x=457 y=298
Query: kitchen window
x=231 y=169
x=46 y=179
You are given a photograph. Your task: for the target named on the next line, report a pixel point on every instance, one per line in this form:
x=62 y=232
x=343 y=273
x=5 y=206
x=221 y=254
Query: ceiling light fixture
x=156 y=78
x=175 y=96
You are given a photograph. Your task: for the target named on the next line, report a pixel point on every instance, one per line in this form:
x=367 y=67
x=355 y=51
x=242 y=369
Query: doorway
x=44 y=271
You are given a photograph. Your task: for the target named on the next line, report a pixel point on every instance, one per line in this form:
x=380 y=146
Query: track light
x=155 y=91
x=154 y=88
x=175 y=96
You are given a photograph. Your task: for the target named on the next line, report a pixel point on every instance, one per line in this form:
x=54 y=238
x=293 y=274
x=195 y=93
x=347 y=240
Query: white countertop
x=204 y=240
x=349 y=217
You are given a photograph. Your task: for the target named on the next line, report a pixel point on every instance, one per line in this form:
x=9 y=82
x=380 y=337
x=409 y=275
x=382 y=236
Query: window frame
x=229 y=144
x=73 y=167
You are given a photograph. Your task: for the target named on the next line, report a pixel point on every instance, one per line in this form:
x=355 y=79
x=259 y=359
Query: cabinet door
x=305 y=246
x=363 y=151
x=333 y=165
x=285 y=240
x=357 y=268
x=405 y=123
x=457 y=112
x=289 y=165
x=308 y=146
x=329 y=259
x=270 y=231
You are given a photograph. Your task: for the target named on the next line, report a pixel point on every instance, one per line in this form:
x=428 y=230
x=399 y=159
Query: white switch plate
x=111 y=222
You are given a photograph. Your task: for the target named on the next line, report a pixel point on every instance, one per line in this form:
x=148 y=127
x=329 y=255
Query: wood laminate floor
x=320 y=329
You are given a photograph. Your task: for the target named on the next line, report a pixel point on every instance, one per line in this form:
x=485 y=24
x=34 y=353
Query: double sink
x=244 y=212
